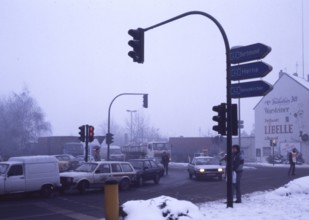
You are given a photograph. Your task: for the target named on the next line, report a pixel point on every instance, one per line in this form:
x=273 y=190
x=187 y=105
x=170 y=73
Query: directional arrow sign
x=250 y=70
x=249 y=53
x=250 y=89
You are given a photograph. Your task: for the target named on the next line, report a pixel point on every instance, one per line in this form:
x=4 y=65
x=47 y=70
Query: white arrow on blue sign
x=248 y=53
x=250 y=89
x=250 y=70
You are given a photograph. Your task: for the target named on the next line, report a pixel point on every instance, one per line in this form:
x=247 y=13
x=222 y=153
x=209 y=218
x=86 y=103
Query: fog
x=73 y=57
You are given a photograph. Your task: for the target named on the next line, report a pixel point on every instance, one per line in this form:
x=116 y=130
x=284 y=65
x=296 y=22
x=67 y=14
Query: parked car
x=29 y=174
x=94 y=174
x=146 y=170
x=205 y=167
x=67 y=162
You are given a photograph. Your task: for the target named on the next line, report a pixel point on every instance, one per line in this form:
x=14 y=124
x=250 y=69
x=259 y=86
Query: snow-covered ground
x=288 y=202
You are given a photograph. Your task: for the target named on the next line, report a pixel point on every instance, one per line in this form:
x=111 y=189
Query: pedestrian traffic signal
x=220 y=118
x=81 y=133
x=137 y=44
x=145 y=100
x=109 y=138
x=234 y=120
x=90 y=133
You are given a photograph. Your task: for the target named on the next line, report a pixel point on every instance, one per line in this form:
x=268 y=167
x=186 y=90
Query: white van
x=29 y=174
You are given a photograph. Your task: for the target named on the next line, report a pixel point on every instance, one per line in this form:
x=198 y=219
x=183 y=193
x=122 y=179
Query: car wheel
x=82 y=186
x=156 y=179
x=140 y=181
x=47 y=190
x=124 y=184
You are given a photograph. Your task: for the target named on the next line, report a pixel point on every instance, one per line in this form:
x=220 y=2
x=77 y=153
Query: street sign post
x=250 y=71
x=248 y=53
x=250 y=89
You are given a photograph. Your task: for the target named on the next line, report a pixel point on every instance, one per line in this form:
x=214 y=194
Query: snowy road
x=177 y=185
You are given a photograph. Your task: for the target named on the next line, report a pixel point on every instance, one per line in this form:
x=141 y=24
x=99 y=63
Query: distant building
x=283 y=116
x=184 y=148
x=53 y=144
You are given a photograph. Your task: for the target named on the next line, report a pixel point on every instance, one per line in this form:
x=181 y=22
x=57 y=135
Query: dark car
x=147 y=170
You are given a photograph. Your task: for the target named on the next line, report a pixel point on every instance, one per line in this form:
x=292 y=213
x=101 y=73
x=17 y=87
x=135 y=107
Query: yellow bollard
x=111 y=200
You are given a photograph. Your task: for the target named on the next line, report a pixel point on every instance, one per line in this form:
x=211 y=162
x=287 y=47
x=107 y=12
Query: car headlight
x=202 y=170
x=220 y=169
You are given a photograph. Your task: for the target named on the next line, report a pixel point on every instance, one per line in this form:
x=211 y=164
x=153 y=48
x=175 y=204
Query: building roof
x=302 y=82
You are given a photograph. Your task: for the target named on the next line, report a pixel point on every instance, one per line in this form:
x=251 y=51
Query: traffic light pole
x=228 y=95
x=108 y=120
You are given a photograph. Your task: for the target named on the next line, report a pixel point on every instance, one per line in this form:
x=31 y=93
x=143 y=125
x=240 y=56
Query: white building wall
x=283 y=114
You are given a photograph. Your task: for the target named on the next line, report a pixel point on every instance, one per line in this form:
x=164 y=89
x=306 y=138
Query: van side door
x=15 y=180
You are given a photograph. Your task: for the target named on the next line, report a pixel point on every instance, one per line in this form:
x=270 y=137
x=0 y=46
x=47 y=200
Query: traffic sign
x=248 y=53
x=250 y=89
x=250 y=70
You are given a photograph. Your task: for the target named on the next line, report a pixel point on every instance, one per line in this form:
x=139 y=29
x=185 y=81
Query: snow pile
x=285 y=203
x=161 y=208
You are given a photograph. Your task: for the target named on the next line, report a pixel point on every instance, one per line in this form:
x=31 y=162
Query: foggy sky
x=72 y=56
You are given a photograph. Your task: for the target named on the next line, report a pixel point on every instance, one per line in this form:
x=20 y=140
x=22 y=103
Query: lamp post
x=131 y=129
x=109 y=114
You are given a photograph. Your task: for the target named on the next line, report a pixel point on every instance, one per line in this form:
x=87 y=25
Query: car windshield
x=137 y=164
x=3 y=168
x=205 y=161
x=86 y=167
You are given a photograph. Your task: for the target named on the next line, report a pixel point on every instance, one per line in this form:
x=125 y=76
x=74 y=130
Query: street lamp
x=131 y=130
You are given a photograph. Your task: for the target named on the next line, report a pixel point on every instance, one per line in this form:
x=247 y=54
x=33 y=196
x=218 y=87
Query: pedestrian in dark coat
x=292 y=160
x=165 y=161
x=238 y=163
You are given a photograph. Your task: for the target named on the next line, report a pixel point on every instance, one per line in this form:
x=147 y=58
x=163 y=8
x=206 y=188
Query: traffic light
x=138 y=45
x=145 y=100
x=90 y=133
x=81 y=133
x=220 y=118
x=109 y=138
x=234 y=120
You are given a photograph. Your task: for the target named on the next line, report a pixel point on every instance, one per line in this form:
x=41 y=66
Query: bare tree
x=141 y=129
x=22 y=121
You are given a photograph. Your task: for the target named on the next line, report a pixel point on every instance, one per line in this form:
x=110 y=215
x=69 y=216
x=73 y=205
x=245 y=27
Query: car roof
x=203 y=157
x=107 y=162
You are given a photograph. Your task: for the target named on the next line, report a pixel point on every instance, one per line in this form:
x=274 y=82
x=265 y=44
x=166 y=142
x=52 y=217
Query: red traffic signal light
x=220 y=118
x=137 y=44
x=90 y=133
x=82 y=134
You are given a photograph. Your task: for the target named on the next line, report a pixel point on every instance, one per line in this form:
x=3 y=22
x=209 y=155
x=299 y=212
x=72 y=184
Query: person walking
x=238 y=163
x=292 y=160
x=165 y=159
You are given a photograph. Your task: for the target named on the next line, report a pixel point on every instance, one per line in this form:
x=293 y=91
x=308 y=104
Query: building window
x=266 y=151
